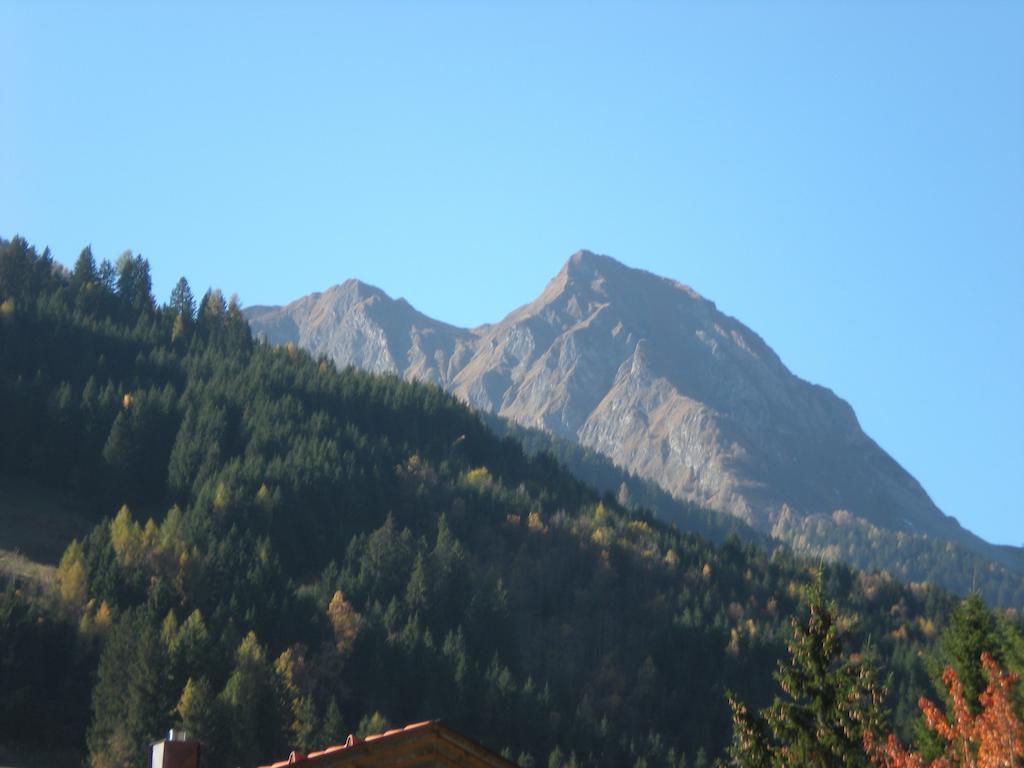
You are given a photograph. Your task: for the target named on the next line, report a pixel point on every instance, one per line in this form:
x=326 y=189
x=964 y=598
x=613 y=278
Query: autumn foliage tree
x=989 y=739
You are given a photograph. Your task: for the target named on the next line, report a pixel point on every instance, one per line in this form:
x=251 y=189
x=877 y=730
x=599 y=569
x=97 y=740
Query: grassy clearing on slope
x=16 y=565
x=36 y=525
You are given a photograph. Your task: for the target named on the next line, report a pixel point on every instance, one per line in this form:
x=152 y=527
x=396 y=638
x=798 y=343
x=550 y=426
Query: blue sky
x=845 y=178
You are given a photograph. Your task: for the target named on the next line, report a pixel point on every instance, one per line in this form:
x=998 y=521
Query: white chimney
x=176 y=751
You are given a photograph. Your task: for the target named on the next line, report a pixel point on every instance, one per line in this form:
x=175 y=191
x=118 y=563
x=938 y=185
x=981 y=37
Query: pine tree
x=134 y=284
x=210 y=318
x=750 y=739
x=236 y=327
x=191 y=646
x=417 y=589
x=84 y=273
x=971 y=632
x=197 y=711
x=182 y=302
x=254 y=706
x=372 y=724
x=829 y=701
x=332 y=730
x=132 y=699
x=295 y=677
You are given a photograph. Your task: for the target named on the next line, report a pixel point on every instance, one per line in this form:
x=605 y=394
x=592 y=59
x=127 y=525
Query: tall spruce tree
x=829 y=701
x=182 y=300
x=132 y=699
x=972 y=631
x=134 y=284
x=84 y=273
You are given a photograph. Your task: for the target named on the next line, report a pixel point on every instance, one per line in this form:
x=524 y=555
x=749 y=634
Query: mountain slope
x=649 y=373
x=307 y=547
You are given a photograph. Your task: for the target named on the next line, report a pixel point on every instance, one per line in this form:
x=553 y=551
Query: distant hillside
x=629 y=490
x=647 y=372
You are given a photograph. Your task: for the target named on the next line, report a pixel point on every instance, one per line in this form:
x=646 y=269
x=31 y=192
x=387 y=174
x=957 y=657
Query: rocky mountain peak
x=590 y=280
x=585 y=263
x=353 y=290
x=646 y=371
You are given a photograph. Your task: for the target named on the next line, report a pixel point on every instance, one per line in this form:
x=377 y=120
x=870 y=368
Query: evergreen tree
x=372 y=724
x=210 y=318
x=107 y=276
x=24 y=274
x=182 y=302
x=829 y=702
x=332 y=730
x=134 y=284
x=236 y=326
x=253 y=707
x=416 y=592
x=84 y=273
x=197 y=713
x=132 y=700
x=972 y=631
x=295 y=679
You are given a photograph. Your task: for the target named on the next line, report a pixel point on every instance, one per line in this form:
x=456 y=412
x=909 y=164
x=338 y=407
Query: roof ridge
x=297 y=757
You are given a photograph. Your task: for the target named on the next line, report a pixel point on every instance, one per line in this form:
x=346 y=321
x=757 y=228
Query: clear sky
x=845 y=178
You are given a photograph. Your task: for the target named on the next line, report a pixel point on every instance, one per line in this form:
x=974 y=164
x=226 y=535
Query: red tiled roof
x=426 y=728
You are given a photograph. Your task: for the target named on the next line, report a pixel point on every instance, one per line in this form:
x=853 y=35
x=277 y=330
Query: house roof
x=420 y=745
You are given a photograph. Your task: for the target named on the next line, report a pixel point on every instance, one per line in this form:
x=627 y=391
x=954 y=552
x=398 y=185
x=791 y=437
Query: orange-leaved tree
x=990 y=739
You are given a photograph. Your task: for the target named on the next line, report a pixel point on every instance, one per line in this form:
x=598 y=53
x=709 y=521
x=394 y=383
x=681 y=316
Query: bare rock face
x=642 y=369
x=357 y=324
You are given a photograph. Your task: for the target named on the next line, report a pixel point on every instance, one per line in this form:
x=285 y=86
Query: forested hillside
x=645 y=372
x=630 y=490
x=284 y=553
x=836 y=537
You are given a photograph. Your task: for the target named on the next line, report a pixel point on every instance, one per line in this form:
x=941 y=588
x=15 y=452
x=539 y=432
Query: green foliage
x=43 y=671
x=839 y=536
x=133 y=697
x=197 y=712
x=134 y=286
x=332 y=730
x=251 y=704
x=829 y=702
x=371 y=724
x=907 y=556
x=301 y=547
x=182 y=303
x=971 y=632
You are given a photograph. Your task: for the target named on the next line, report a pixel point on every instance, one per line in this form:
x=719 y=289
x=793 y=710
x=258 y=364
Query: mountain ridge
x=645 y=370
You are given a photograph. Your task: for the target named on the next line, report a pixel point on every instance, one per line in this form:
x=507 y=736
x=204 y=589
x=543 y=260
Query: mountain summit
x=648 y=372
x=643 y=369
x=360 y=325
